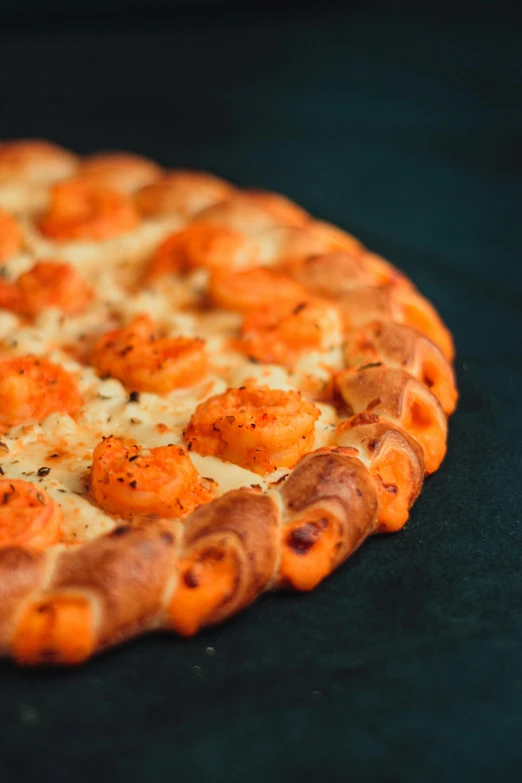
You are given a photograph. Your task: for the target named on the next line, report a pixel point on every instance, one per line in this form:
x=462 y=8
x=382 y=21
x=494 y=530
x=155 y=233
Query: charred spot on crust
x=191 y=578
x=391 y=488
x=372 y=445
x=302 y=539
x=134 y=396
x=368 y=366
x=120 y=531
x=364 y=418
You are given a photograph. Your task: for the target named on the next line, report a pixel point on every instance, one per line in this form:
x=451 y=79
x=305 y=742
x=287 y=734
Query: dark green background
x=406 y=665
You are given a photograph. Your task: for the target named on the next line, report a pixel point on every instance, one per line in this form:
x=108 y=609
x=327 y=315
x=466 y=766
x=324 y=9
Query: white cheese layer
x=65 y=445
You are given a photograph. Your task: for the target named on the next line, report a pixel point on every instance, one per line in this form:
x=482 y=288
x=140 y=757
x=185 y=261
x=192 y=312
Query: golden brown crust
x=358 y=306
x=332 y=481
x=126 y=571
x=395 y=395
x=281 y=207
x=21 y=573
x=393 y=456
x=401 y=346
x=129 y=577
x=249 y=520
x=35 y=161
x=398 y=303
x=331 y=274
x=182 y=193
x=120 y=171
x=245 y=214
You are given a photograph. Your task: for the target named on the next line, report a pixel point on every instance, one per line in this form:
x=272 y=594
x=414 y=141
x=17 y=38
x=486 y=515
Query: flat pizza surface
x=205 y=393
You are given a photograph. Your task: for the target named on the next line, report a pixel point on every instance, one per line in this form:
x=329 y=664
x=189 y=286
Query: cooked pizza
x=205 y=394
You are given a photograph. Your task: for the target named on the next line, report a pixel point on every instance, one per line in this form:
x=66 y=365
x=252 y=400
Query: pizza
x=205 y=394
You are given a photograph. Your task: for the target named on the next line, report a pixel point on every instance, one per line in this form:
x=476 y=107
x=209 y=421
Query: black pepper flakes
x=43 y=471
x=134 y=396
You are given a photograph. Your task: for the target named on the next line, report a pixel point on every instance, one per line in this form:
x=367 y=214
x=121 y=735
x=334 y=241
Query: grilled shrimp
x=131 y=481
x=31 y=388
x=259 y=428
x=282 y=333
x=83 y=211
x=200 y=245
x=47 y=284
x=250 y=288
x=10 y=236
x=145 y=362
x=28 y=515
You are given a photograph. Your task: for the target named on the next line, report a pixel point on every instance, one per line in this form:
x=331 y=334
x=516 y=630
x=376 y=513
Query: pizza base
x=379 y=425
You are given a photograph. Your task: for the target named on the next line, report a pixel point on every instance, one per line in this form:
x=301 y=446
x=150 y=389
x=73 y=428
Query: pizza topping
x=31 y=388
x=136 y=482
x=47 y=284
x=200 y=245
x=28 y=516
x=283 y=332
x=145 y=362
x=251 y=288
x=10 y=236
x=283 y=427
x=80 y=210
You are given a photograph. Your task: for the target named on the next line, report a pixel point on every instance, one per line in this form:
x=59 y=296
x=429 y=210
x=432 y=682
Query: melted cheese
x=65 y=445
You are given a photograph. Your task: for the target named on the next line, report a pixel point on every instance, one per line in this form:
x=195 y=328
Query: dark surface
x=406 y=665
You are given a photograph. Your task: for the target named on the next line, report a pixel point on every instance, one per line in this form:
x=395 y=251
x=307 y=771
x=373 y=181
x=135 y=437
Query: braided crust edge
x=141 y=578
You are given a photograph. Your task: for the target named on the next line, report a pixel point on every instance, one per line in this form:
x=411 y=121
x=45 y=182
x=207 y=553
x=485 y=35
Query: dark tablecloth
x=406 y=664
